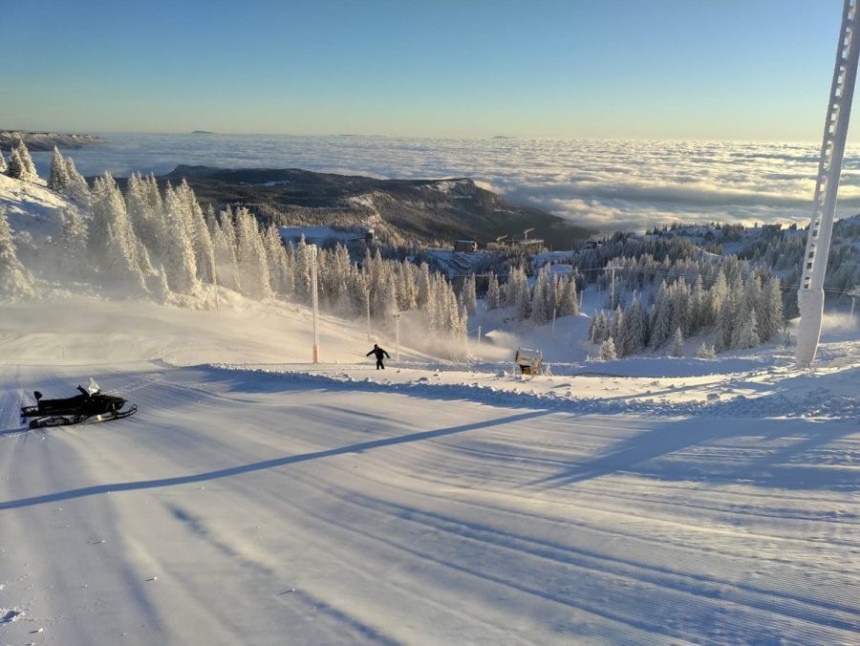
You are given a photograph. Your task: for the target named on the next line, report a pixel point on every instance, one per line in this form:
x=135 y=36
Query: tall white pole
x=367 y=305
x=397 y=336
x=810 y=297
x=315 y=301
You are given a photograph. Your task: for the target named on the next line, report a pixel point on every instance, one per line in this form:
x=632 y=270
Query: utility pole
x=810 y=297
x=367 y=305
x=315 y=302
x=612 y=293
x=397 y=336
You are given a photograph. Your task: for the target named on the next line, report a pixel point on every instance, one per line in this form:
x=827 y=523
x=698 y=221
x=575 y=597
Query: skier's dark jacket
x=379 y=352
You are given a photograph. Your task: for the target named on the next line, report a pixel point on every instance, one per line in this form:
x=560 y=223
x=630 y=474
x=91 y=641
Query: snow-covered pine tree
x=424 y=287
x=745 y=332
x=607 y=350
x=678 y=343
x=58 y=179
x=21 y=165
x=387 y=305
x=2 y=162
x=568 y=303
x=634 y=331
x=770 y=319
x=616 y=324
x=148 y=225
x=15 y=167
x=727 y=318
x=15 y=280
x=452 y=311
x=679 y=293
x=302 y=271
x=599 y=328
x=160 y=288
x=251 y=257
x=73 y=259
x=706 y=351
x=201 y=240
x=538 y=300
x=180 y=263
x=698 y=306
x=112 y=241
x=469 y=295
x=224 y=247
x=661 y=317
x=77 y=189
x=716 y=297
x=407 y=290
x=277 y=259
x=493 y=297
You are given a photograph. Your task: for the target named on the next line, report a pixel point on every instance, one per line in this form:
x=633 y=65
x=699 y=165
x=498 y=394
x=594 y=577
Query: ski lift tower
x=810 y=297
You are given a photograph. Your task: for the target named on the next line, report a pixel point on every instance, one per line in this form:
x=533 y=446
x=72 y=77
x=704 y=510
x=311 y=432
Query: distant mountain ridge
x=40 y=141
x=424 y=210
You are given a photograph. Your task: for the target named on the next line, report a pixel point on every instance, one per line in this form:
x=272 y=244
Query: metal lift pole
x=810 y=297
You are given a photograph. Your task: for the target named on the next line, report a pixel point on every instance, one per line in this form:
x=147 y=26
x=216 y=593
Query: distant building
x=466 y=246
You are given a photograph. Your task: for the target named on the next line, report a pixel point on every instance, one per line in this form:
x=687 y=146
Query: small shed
x=529 y=361
x=467 y=246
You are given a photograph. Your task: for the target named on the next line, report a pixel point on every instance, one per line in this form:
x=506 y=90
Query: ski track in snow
x=257 y=506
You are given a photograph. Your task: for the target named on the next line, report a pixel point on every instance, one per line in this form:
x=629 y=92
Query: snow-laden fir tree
x=727 y=318
x=538 y=300
x=279 y=270
x=468 y=294
x=493 y=297
x=78 y=191
x=745 y=330
x=73 y=259
x=677 y=343
x=706 y=351
x=634 y=331
x=424 y=287
x=201 y=240
x=568 y=304
x=179 y=260
x=58 y=179
x=112 y=243
x=251 y=257
x=607 y=350
x=2 y=162
x=21 y=165
x=15 y=280
x=302 y=271
x=769 y=314
x=661 y=317
x=224 y=247
x=147 y=216
x=599 y=329
x=407 y=290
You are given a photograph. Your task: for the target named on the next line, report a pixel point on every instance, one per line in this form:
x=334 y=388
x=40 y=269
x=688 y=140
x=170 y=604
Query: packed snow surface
x=258 y=498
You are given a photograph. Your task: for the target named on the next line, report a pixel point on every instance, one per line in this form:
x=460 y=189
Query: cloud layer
x=605 y=184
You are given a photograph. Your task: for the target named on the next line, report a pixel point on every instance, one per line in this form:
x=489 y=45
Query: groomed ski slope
x=259 y=499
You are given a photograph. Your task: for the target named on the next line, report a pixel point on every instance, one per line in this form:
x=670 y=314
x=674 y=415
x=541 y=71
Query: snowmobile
x=90 y=406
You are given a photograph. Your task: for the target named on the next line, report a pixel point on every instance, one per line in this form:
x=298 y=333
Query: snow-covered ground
x=258 y=498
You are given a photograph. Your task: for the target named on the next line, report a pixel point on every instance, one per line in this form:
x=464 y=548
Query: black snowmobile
x=90 y=406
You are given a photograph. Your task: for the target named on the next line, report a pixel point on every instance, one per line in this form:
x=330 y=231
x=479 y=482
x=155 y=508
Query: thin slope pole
x=810 y=297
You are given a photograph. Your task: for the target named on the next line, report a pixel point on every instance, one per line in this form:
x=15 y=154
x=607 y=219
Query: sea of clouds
x=606 y=184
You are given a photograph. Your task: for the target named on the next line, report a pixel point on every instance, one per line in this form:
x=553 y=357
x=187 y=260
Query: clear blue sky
x=703 y=69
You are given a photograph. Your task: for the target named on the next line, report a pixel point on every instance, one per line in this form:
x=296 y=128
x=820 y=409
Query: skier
x=379 y=352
